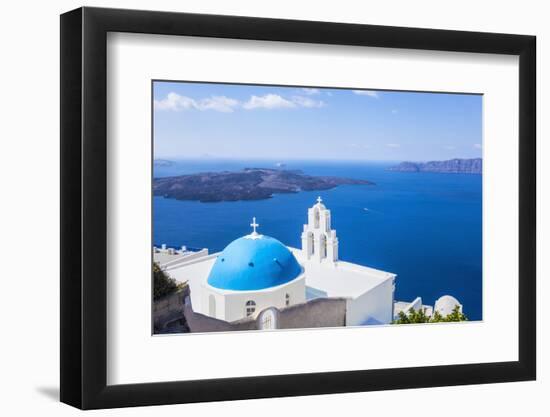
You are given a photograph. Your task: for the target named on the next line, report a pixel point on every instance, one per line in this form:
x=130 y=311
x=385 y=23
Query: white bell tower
x=319 y=241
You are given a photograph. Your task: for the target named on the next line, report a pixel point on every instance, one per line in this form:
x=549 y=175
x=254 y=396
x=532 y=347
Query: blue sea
x=426 y=228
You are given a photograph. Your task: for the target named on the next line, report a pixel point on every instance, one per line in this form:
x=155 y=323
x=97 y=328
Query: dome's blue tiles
x=248 y=264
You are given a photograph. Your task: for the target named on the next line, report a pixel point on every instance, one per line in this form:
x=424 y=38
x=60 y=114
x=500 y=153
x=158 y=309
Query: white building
x=257 y=272
x=446 y=304
x=257 y=275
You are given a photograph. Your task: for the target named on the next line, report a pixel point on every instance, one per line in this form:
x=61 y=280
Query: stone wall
x=321 y=312
x=169 y=309
x=201 y=323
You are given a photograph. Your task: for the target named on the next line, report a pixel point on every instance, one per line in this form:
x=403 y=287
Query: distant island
x=452 y=166
x=248 y=184
x=162 y=163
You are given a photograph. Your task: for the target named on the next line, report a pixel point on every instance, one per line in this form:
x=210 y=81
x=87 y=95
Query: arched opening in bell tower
x=310 y=243
x=323 y=246
x=316 y=218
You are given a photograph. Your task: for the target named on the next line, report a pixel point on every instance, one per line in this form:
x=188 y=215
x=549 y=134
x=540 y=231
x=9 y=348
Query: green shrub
x=163 y=284
x=419 y=316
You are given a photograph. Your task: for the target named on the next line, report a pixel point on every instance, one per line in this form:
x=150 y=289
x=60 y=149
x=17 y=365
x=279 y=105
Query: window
x=250 y=308
x=287 y=300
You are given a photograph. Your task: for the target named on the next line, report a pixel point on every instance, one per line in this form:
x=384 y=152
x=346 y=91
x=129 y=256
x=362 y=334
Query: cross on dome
x=319 y=200
x=254 y=234
x=254 y=225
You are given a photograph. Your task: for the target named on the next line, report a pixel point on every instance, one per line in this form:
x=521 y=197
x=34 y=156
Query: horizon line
x=305 y=159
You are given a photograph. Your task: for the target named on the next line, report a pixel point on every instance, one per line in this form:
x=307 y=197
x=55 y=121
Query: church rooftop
x=253 y=262
x=342 y=279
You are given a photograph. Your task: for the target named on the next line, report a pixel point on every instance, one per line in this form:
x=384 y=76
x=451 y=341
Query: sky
x=202 y=120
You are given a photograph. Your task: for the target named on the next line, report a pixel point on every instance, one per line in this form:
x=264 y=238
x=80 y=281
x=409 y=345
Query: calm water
x=426 y=228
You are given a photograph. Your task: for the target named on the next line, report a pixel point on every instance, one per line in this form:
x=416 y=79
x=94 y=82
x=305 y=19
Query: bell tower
x=319 y=241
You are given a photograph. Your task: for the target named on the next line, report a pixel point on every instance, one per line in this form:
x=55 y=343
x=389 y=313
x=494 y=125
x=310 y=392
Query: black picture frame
x=84 y=207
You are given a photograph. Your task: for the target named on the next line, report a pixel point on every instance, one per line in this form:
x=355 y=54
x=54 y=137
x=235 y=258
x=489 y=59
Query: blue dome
x=248 y=264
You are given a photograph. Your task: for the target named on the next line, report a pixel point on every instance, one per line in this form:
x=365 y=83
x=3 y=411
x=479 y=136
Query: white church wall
x=235 y=301
x=212 y=304
x=372 y=307
x=195 y=273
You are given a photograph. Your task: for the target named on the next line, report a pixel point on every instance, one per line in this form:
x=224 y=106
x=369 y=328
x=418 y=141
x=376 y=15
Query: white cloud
x=369 y=93
x=269 y=101
x=218 y=103
x=176 y=102
x=275 y=101
x=393 y=145
x=307 y=102
x=477 y=145
x=359 y=146
x=311 y=91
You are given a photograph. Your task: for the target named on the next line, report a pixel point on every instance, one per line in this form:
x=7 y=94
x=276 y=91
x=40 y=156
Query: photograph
x=291 y=207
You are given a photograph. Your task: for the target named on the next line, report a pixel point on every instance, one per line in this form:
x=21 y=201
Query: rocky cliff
x=452 y=166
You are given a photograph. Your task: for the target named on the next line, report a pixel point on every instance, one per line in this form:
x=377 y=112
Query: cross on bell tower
x=319 y=200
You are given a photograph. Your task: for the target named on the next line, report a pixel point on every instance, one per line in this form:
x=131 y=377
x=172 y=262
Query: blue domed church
x=257 y=282
x=253 y=273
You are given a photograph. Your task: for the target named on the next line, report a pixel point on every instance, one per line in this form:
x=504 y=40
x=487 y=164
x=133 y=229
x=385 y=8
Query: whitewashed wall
x=233 y=302
x=376 y=304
